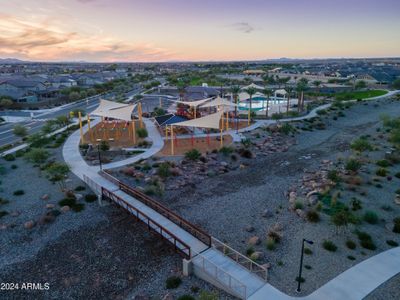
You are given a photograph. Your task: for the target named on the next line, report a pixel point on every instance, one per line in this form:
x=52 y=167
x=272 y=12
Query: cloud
x=243 y=27
x=47 y=41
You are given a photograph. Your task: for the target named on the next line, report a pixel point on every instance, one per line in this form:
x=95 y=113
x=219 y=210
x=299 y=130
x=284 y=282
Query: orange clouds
x=42 y=40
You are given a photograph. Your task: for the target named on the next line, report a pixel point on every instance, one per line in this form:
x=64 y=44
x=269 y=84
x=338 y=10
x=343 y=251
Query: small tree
x=142 y=132
x=73 y=96
x=57 y=172
x=104 y=146
x=37 y=155
x=360 y=85
x=20 y=130
x=396 y=84
x=6 y=103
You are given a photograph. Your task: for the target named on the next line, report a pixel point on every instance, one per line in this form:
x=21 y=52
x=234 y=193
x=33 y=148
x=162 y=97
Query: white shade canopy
x=106 y=105
x=209 y=121
x=219 y=102
x=280 y=92
x=253 y=85
x=193 y=103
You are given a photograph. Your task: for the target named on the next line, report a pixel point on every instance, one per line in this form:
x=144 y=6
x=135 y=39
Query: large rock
x=50 y=206
x=397 y=200
x=267 y=213
x=65 y=208
x=29 y=225
x=254 y=240
x=78 y=196
x=256 y=255
x=47 y=218
x=300 y=213
x=45 y=197
x=249 y=228
x=292 y=197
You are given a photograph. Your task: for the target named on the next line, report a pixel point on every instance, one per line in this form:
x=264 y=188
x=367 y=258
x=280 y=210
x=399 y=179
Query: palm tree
x=302 y=85
x=317 y=84
x=268 y=93
x=289 y=91
x=235 y=90
x=251 y=91
x=181 y=89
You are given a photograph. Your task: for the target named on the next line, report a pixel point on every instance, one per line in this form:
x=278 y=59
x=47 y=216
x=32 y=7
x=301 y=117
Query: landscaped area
x=359 y=94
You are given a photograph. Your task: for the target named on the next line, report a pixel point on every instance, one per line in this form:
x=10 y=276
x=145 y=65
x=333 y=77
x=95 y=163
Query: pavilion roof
x=194 y=103
x=209 y=121
x=218 y=102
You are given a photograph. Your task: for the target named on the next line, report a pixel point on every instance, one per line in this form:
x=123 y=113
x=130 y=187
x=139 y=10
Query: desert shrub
x=246 y=142
x=381 y=172
x=301 y=279
x=355 y=204
x=80 y=188
x=226 y=150
x=365 y=240
x=351 y=257
x=37 y=155
x=371 y=217
x=104 y=146
x=351 y=245
x=329 y=246
x=333 y=175
x=154 y=189
x=397 y=175
x=78 y=207
x=90 y=198
x=396 y=226
x=286 y=128
x=308 y=251
x=246 y=153
x=270 y=244
x=308 y=267
x=392 y=243
x=173 y=282
x=321 y=112
x=205 y=295
x=353 y=165
x=164 y=170
x=249 y=251
x=193 y=154
x=313 y=216
x=383 y=163
x=186 y=297
x=3 y=213
x=67 y=202
x=19 y=192
x=14 y=167
x=298 y=204
x=361 y=145
x=9 y=157
x=142 y=132
x=274 y=235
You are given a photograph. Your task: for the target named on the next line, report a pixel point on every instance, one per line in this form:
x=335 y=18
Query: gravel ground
x=387 y=291
x=226 y=204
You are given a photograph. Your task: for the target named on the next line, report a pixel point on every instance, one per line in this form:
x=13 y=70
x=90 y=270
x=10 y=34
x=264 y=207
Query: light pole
x=301 y=263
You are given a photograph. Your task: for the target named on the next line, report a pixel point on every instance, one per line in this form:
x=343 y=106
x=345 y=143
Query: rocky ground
x=243 y=199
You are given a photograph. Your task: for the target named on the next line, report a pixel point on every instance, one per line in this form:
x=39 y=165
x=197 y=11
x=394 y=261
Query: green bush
x=329 y=245
x=381 y=172
x=104 y=146
x=361 y=145
x=164 y=170
x=286 y=128
x=392 y=243
x=9 y=157
x=313 y=216
x=186 y=297
x=173 y=282
x=351 y=245
x=14 y=167
x=397 y=175
x=396 y=226
x=67 y=202
x=90 y=198
x=371 y=217
x=3 y=213
x=308 y=251
x=142 y=133
x=298 y=204
x=351 y=257
x=365 y=240
x=19 y=192
x=193 y=154
x=383 y=163
x=333 y=175
x=353 y=165
x=249 y=251
x=80 y=188
x=37 y=155
x=226 y=150
x=270 y=244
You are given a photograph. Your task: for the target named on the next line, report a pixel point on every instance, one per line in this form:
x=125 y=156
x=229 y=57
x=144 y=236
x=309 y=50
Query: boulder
x=78 y=196
x=249 y=228
x=277 y=227
x=267 y=213
x=29 y=225
x=266 y=266
x=176 y=172
x=254 y=240
x=242 y=166
x=47 y=218
x=50 y=206
x=292 y=197
x=65 y=208
x=300 y=213
x=15 y=213
x=397 y=200
x=223 y=163
x=256 y=255
x=45 y=197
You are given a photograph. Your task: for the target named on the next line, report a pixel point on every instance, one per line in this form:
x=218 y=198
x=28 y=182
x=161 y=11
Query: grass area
x=359 y=94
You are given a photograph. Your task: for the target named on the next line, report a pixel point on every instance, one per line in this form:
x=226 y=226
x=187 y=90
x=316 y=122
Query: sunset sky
x=165 y=30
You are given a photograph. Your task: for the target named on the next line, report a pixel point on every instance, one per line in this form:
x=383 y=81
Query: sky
x=197 y=30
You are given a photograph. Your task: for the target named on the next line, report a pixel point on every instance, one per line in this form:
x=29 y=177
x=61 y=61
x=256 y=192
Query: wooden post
x=166 y=132
x=172 y=140
x=133 y=131
x=227 y=120
x=140 y=114
x=221 y=141
x=80 y=126
x=248 y=116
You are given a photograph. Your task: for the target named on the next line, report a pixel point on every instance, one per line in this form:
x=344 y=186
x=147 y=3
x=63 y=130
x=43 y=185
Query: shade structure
x=194 y=103
x=280 y=92
x=105 y=106
x=218 y=102
x=253 y=85
x=120 y=113
x=244 y=96
x=209 y=121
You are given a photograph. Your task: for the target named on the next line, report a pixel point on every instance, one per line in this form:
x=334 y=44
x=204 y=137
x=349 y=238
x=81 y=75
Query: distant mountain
x=11 y=61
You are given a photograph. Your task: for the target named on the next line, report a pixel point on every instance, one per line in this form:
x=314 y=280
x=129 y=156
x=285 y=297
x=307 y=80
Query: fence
x=221 y=276
x=240 y=259
x=161 y=209
x=179 y=245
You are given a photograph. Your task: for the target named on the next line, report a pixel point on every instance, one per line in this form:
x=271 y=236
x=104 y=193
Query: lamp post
x=301 y=263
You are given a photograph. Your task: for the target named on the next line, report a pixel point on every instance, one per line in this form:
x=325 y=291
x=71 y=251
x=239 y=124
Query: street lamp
x=301 y=263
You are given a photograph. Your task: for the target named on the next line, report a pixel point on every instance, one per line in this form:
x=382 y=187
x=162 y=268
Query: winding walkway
x=353 y=284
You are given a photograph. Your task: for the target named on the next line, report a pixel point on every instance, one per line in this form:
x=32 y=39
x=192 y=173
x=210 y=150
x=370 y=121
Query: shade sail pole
x=90 y=131
x=133 y=131
x=80 y=126
x=172 y=140
x=140 y=114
